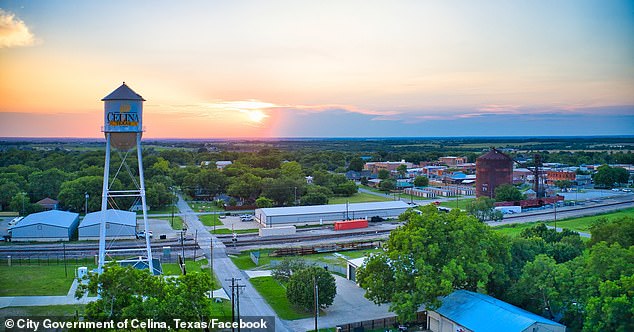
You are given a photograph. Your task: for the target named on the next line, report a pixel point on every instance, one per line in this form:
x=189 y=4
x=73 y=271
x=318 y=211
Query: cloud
x=14 y=32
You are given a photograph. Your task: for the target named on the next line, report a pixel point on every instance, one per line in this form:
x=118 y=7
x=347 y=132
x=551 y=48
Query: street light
x=86 y=205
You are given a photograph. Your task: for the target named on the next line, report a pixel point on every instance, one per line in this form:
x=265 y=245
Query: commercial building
x=554 y=176
x=452 y=161
x=391 y=166
x=473 y=312
x=328 y=213
x=50 y=225
x=492 y=170
x=119 y=225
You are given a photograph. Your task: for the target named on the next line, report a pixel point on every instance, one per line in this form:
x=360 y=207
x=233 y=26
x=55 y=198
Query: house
x=53 y=225
x=352 y=266
x=48 y=203
x=221 y=164
x=467 y=311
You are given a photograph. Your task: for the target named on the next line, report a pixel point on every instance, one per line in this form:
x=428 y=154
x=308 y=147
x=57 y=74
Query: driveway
x=349 y=306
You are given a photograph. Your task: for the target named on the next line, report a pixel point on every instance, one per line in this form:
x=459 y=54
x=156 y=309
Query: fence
x=329 y=267
x=388 y=323
x=81 y=259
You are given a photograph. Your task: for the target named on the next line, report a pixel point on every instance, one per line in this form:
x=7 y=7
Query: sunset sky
x=221 y=69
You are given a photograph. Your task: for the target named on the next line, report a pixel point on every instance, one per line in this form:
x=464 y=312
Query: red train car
x=351 y=224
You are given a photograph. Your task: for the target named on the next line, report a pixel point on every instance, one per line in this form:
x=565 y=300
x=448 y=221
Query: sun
x=256 y=115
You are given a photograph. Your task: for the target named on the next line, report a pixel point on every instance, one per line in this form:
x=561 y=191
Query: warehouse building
x=328 y=213
x=119 y=225
x=50 y=225
x=472 y=312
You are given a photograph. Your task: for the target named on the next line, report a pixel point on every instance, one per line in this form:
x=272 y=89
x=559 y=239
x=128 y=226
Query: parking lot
x=234 y=222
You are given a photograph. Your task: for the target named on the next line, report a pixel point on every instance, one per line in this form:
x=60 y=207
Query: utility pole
x=211 y=266
x=65 y=270
x=316 y=295
x=195 y=244
x=235 y=291
x=173 y=205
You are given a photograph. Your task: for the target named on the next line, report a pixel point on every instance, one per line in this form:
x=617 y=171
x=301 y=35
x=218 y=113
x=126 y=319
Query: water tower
x=123 y=119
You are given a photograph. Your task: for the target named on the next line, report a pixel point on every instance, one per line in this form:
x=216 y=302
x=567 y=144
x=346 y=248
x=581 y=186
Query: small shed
x=353 y=265
x=119 y=225
x=474 y=312
x=50 y=225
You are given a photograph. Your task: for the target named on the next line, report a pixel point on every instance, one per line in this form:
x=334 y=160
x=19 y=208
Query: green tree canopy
x=620 y=230
x=430 y=256
x=607 y=176
x=356 y=164
x=508 y=193
x=421 y=181
x=383 y=174
x=300 y=289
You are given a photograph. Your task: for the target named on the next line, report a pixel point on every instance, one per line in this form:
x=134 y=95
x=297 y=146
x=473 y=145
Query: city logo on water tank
x=123 y=117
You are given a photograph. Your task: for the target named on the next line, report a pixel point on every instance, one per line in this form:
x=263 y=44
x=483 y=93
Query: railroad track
x=74 y=249
x=506 y=217
x=278 y=239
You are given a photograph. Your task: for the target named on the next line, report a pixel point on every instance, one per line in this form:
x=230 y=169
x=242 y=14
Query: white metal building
x=119 y=225
x=53 y=225
x=328 y=213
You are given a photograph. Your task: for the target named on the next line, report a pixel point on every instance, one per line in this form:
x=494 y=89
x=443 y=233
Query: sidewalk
x=25 y=301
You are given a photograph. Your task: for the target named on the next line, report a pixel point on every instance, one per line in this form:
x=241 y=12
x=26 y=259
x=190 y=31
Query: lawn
x=210 y=220
x=204 y=207
x=461 y=203
x=178 y=222
x=24 y=280
x=275 y=294
x=359 y=198
x=237 y=231
x=582 y=224
x=243 y=260
x=44 y=311
x=514 y=230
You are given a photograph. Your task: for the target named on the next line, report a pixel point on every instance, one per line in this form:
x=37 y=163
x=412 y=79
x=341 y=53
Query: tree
x=482 y=208
x=300 y=289
x=619 y=230
x=263 y=202
x=402 y=170
x=507 y=193
x=613 y=308
x=72 y=193
x=246 y=186
x=429 y=257
x=127 y=293
x=387 y=185
x=285 y=269
x=377 y=277
x=292 y=170
x=347 y=189
x=314 y=198
x=607 y=176
x=46 y=183
x=421 y=181
x=356 y=164
x=563 y=184
x=383 y=174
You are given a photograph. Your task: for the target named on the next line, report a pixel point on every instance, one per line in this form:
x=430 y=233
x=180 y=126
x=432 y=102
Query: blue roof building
x=465 y=311
x=53 y=225
x=119 y=225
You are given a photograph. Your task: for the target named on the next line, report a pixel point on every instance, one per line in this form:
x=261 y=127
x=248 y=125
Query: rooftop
x=112 y=216
x=52 y=218
x=494 y=154
x=474 y=311
x=334 y=208
x=123 y=93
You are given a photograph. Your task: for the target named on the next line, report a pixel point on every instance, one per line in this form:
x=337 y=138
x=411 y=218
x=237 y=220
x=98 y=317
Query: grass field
x=204 y=207
x=461 y=203
x=178 y=222
x=210 y=220
x=358 y=198
x=24 y=280
x=582 y=224
x=244 y=262
x=44 y=311
x=275 y=295
x=237 y=231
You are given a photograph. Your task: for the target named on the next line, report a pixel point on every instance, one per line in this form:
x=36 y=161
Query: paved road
x=251 y=303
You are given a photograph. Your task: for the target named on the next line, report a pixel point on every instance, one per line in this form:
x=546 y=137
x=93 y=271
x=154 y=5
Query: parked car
x=247 y=217
x=141 y=234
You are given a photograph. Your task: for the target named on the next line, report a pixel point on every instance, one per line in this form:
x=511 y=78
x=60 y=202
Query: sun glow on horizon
x=256 y=115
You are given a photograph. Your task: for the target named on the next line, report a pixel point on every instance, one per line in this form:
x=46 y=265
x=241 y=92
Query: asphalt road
x=251 y=303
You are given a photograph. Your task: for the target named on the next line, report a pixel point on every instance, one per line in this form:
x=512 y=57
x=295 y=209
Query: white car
x=141 y=234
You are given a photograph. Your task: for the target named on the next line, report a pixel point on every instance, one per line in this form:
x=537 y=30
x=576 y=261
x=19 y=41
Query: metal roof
x=334 y=208
x=53 y=218
x=123 y=93
x=120 y=217
x=475 y=312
